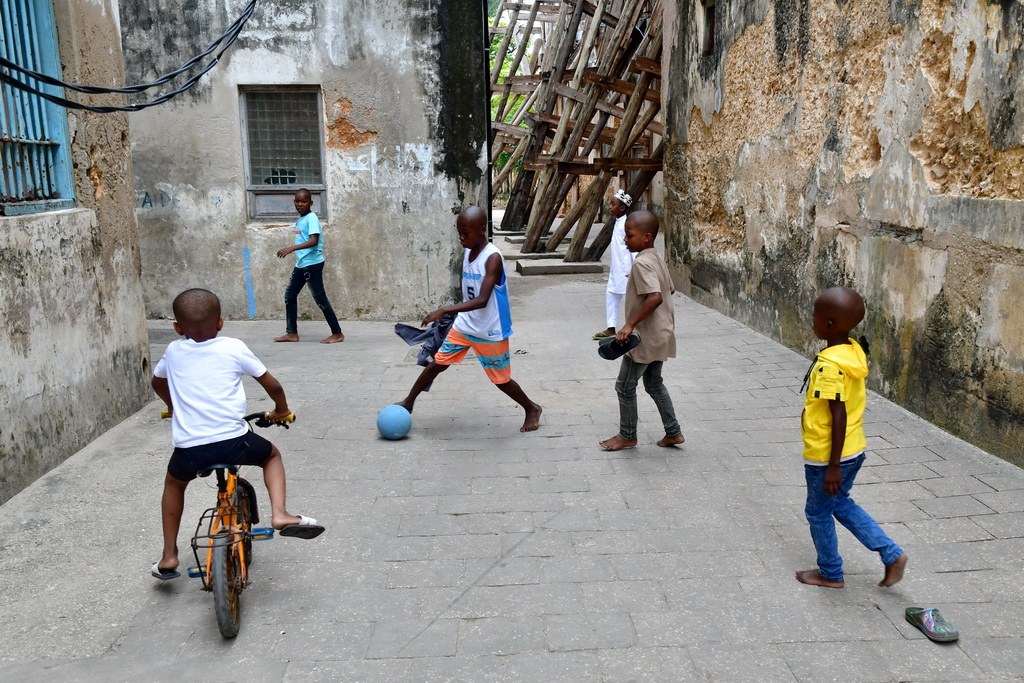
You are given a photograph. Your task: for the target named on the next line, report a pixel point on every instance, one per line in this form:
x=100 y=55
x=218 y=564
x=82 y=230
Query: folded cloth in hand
x=429 y=340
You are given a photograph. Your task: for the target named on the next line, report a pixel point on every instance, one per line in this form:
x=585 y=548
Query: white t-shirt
x=205 y=380
x=622 y=258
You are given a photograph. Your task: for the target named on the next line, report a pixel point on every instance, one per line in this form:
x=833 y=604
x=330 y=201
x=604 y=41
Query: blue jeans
x=820 y=510
x=313 y=276
x=629 y=374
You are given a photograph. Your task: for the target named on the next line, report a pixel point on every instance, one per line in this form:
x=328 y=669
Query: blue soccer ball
x=393 y=422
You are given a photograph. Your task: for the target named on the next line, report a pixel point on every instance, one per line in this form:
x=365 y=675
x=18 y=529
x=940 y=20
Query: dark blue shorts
x=248 y=449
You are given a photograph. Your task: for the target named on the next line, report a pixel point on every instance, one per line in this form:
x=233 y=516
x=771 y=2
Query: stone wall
x=877 y=144
x=75 y=353
x=404 y=115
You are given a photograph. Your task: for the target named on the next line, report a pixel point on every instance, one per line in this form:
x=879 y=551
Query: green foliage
x=503 y=159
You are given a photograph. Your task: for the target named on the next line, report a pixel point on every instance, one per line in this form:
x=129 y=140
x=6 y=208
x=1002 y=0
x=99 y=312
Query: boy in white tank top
x=482 y=321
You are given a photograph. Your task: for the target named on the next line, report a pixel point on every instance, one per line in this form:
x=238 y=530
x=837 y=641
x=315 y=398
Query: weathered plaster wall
x=872 y=143
x=75 y=353
x=404 y=108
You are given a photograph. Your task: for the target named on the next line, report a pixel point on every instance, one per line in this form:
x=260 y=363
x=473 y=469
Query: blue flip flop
x=163 y=574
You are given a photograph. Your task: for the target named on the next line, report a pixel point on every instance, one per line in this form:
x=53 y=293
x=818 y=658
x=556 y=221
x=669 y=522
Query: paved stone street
x=471 y=552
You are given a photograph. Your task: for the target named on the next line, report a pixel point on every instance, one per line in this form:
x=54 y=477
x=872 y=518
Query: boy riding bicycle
x=200 y=380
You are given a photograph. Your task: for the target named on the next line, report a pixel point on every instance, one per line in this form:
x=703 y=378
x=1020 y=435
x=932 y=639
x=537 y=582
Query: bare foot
x=532 y=419
x=333 y=339
x=894 y=572
x=617 y=443
x=672 y=441
x=406 y=403
x=813 y=578
x=290 y=337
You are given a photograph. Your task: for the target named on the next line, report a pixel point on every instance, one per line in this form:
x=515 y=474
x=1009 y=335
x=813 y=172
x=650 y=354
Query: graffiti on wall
x=157 y=199
x=394 y=166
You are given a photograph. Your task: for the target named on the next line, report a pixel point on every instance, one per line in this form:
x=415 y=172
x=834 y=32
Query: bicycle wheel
x=226 y=592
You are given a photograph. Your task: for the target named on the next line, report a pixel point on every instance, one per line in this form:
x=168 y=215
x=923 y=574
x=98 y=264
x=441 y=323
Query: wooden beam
x=607 y=134
x=606 y=17
x=532 y=80
x=575 y=168
x=618 y=85
x=506 y=129
x=514 y=88
x=642 y=64
x=618 y=112
x=504 y=29
x=570 y=93
x=628 y=164
x=581 y=166
x=545 y=6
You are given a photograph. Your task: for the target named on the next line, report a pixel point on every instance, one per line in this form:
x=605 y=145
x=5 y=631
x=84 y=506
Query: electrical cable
x=224 y=42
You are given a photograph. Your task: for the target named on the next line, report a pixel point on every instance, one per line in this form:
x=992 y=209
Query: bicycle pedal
x=196 y=572
x=263 y=533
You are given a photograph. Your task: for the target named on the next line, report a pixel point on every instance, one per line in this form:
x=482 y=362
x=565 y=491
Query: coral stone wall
x=877 y=144
x=75 y=352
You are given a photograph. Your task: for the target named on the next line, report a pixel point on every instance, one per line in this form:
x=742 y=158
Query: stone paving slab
x=471 y=552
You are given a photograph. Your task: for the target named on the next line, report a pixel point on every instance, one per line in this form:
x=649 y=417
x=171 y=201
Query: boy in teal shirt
x=309 y=268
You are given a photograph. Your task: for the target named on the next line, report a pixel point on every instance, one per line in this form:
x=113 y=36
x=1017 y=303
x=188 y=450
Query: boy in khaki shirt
x=651 y=314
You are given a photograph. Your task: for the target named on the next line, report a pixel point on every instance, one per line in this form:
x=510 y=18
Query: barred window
x=36 y=167
x=283 y=148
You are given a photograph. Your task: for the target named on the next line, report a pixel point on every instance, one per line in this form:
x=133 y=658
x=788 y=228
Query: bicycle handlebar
x=262 y=418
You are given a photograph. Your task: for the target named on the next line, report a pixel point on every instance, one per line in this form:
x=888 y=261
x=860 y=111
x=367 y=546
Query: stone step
x=519 y=238
x=520 y=256
x=556 y=268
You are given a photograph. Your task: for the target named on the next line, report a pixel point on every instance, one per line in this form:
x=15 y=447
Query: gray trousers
x=629 y=375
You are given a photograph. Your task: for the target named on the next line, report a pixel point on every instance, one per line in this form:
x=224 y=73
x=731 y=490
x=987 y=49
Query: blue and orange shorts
x=493 y=356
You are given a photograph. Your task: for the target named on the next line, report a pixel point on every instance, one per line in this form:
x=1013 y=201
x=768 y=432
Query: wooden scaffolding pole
x=594 y=53
x=518 y=208
x=617 y=58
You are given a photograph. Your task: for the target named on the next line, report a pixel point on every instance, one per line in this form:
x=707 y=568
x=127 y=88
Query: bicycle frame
x=226 y=524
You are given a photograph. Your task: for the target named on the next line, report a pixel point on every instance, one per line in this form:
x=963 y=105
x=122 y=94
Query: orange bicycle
x=222 y=543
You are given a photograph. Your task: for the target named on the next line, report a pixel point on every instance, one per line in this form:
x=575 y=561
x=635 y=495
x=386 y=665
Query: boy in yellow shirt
x=833 y=429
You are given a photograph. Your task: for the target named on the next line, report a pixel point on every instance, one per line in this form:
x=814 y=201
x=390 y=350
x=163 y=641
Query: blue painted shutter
x=36 y=164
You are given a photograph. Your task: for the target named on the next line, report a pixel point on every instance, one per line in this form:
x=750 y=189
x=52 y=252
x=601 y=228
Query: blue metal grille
x=33 y=132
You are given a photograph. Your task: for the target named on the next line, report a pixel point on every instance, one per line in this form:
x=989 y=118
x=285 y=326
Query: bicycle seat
x=210 y=469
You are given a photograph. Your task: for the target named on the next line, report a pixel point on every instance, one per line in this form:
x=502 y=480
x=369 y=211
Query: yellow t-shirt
x=837 y=375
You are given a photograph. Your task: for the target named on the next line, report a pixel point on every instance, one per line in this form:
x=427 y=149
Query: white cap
x=623 y=197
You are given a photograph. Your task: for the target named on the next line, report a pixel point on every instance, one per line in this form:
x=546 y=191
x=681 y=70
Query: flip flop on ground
x=306 y=528
x=163 y=574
